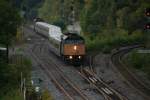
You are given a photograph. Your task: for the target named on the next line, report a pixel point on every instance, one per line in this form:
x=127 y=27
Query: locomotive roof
x=73 y=36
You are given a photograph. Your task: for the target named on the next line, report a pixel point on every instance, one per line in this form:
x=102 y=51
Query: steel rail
x=115 y=95
x=63 y=76
x=127 y=74
x=59 y=70
x=51 y=76
x=91 y=71
x=104 y=95
x=42 y=66
x=56 y=82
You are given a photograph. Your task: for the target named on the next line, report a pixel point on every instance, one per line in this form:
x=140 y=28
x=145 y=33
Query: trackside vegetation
x=11 y=77
x=110 y=24
x=139 y=61
x=13 y=94
x=9 y=73
x=106 y=43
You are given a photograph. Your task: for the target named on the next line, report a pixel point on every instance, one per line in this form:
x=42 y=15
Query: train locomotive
x=69 y=46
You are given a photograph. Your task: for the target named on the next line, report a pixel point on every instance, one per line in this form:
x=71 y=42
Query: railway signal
x=147 y=26
x=147 y=12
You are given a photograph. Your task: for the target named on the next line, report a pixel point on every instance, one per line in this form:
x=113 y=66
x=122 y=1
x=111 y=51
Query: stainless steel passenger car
x=69 y=46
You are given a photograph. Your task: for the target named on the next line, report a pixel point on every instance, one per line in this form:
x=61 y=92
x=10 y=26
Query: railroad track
x=89 y=75
x=71 y=91
x=101 y=86
x=105 y=91
x=53 y=71
x=131 y=79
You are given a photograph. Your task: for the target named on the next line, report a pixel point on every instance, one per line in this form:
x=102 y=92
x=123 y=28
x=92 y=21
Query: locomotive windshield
x=74 y=41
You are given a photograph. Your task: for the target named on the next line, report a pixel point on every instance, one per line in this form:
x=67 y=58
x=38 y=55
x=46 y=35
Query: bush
x=60 y=23
x=112 y=39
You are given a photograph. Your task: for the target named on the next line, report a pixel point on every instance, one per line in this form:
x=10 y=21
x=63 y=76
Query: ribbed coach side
x=44 y=30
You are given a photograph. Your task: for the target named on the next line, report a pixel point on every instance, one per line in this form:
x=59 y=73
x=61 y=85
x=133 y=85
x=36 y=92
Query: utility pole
x=147 y=24
x=7 y=48
x=8 y=39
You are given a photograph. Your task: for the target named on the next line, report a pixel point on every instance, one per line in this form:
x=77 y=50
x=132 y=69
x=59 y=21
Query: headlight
x=79 y=57
x=70 y=57
x=75 y=47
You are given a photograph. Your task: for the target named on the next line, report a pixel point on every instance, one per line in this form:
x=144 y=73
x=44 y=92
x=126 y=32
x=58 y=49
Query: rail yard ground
x=103 y=66
x=107 y=71
x=138 y=63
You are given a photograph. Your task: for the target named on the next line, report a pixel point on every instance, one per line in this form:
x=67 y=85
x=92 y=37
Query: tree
x=99 y=14
x=9 y=22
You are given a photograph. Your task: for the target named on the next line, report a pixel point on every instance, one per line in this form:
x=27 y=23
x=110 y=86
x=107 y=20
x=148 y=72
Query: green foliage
x=60 y=10
x=31 y=8
x=117 y=38
x=99 y=15
x=10 y=75
x=109 y=24
x=50 y=11
x=9 y=22
x=30 y=3
x=60 y=23
x=13 y=94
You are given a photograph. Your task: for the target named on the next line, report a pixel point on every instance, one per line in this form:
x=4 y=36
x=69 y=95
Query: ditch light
x=147 y=26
